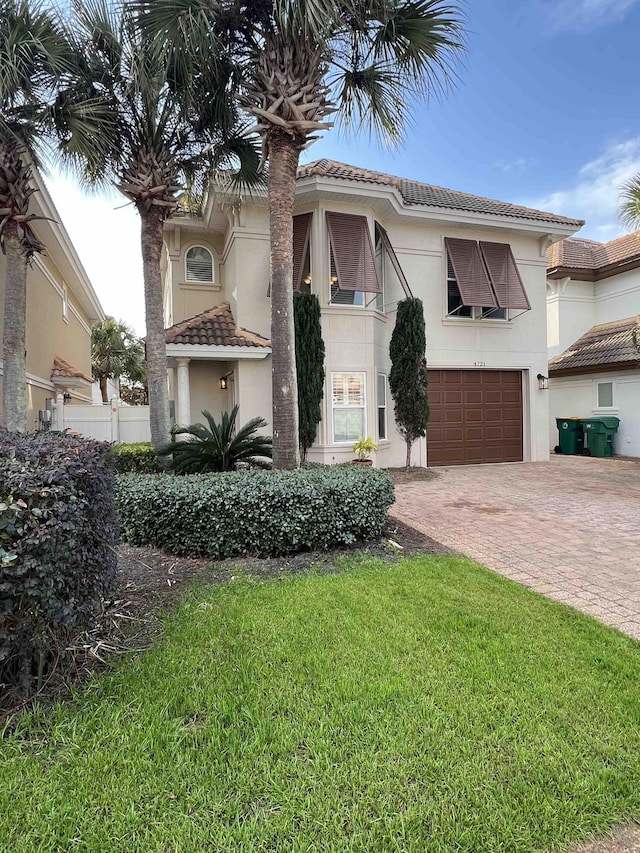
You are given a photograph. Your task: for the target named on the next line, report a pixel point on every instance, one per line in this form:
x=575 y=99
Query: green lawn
x=424 y=706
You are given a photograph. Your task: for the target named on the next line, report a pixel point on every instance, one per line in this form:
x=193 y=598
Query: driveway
x=569 y=529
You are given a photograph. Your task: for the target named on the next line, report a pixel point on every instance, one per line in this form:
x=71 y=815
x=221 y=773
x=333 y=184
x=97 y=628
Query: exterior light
x=543 y=382
x=223 y=383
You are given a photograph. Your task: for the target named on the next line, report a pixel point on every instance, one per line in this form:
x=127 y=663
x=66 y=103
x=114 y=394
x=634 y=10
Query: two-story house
x=363 y=241
x=61 y=308
x=594 y=348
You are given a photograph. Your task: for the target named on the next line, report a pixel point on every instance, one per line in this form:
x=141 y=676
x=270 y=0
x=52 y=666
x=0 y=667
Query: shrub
x=261 y=513
x=58 y=528
x=220 y=447
x=136 y=458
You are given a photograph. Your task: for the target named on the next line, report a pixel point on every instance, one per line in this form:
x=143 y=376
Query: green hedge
x=259 y=513
x=135 y=458
x=58 y=529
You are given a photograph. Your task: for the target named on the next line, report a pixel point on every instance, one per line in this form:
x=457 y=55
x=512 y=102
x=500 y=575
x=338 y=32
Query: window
x=382 y=406
x=483 y=280
x=65 y=303
x=199 y=264
x=352 y=260
x=348 y=403
x=605 y=395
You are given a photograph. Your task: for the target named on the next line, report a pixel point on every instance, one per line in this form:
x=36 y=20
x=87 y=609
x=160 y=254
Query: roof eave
x=606 y=367
x=359 y=189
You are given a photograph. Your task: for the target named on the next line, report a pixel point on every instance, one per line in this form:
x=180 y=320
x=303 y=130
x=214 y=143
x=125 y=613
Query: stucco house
x=61 y=307
x=593 y=301
x=364 y=240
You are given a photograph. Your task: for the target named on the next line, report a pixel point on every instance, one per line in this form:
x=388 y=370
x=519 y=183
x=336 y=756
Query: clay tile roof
x=63 y=370
x=608 y=344
x=578 y=253
x=417 y=193
x=215 y=327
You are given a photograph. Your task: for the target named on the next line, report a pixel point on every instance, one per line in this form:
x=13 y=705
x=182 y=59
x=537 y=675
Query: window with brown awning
x=470 y=273
x=505 y=277
x=353 y=253
x=301 y=248
x=301 y=237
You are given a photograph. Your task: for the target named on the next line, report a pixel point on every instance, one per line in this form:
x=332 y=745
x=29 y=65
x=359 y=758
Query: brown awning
x=301 y=235
x=505 y=277
x=471 y=275
x=353 y=252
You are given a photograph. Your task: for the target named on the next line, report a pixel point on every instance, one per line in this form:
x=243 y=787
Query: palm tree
x=300 y=61
x=154 y=146
x=116 y=352
x=33 y=54
x=629 y=209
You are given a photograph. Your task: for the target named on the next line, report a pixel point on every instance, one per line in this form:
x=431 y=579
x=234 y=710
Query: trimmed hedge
x=260 y=513
x=135 y=458
x=58 y=529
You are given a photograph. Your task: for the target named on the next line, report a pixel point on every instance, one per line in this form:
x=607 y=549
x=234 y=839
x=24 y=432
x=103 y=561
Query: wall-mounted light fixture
x=66 y=397
x=543 y=382
x=223 y=382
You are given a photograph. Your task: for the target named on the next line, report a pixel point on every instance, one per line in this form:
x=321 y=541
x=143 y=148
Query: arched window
x=199 y=264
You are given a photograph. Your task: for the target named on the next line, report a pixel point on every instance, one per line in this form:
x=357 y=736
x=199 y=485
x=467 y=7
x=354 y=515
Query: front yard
x=424 y=705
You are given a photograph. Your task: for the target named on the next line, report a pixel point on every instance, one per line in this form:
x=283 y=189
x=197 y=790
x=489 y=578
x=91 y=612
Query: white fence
x=109 y=422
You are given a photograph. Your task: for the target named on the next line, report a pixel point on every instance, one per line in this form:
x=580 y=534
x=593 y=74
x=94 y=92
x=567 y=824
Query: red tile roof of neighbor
x=417 y=193
x=63 y=370
x=609 y=344
x=578 y=253
x=215 y=327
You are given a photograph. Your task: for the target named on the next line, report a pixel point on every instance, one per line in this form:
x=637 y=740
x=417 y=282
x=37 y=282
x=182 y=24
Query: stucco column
x=183 y=415
x=59 y=422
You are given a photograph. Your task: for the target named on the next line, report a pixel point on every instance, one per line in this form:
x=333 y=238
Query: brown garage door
x=476 y=416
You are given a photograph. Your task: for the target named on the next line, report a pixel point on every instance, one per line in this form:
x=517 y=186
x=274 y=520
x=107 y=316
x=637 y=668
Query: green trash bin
x=598 y=434
x=571 y=435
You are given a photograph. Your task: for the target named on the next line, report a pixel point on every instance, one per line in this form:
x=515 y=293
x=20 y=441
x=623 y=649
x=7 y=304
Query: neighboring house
x=61 y=307
x=593 y=300
x=362 y=242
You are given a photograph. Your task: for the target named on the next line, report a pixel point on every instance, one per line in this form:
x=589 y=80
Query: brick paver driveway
x=569 y=529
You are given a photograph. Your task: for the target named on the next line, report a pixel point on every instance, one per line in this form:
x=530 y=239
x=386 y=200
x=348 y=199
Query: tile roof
x=63 y=370
x=578 y=253
x=417 y=193
x=608 y=344
x=215 y=327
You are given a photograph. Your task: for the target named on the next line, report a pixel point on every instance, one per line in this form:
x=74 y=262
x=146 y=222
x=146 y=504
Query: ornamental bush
x=58 y=529
x=259 y=513
x=135 y=458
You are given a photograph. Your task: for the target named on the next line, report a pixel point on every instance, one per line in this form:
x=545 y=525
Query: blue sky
x=545 y=113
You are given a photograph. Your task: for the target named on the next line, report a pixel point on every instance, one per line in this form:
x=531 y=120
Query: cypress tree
x=408 y=375
x=309 y=366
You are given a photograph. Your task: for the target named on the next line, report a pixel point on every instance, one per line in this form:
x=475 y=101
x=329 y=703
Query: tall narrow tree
x=309 y=366
x=155 y=146
x=408 y=374
x=33 y=55
x=300 y=61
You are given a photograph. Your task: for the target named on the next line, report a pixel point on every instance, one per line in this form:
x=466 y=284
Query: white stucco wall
x=576 y=396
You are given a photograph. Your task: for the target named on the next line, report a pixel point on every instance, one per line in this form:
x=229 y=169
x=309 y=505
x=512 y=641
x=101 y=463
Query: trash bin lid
x=566 y=423
x=608 y=422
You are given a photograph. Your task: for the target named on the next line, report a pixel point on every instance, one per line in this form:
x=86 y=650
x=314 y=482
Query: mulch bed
x=401 y=476
x=151 y=583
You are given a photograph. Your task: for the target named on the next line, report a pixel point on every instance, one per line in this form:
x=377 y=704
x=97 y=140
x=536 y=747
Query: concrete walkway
x=569 y=529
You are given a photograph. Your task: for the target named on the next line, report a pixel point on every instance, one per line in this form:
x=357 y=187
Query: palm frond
x=629 y=208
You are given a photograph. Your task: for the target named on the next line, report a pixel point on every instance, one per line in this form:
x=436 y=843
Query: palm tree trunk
x=14 y=385
x=283 y=166
x=103 y=389
x=151 y=242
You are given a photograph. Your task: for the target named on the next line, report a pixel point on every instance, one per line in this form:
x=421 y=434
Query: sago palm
x=154 y=147
x=300 y=61
x=33 y=55
x=219 y=447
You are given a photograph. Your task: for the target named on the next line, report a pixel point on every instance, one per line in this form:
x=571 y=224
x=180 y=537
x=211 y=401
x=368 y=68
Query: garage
x=476 y=417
